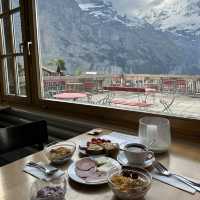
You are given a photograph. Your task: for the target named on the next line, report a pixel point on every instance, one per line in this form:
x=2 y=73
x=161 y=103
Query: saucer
x=121 y=158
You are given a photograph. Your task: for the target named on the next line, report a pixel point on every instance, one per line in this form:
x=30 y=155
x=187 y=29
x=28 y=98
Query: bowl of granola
x=60 y=153
x=129 y=184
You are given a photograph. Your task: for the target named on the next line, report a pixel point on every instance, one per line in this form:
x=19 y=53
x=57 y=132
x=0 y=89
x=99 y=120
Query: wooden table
x=67 y=96
x=184 y=157
x=124 y=88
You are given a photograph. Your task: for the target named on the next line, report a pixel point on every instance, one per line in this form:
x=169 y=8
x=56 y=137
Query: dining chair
x=107 y=100
x=23 y=135
x=167 y=101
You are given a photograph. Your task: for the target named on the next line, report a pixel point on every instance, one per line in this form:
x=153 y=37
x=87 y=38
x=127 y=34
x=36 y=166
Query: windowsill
x=142 y=111
x=111 y=118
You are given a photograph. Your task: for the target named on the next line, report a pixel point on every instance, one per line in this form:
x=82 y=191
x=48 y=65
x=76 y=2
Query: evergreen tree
x=59 y=63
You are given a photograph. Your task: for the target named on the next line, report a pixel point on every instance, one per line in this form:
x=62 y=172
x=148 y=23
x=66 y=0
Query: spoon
x=149 y=145
x=48 y=170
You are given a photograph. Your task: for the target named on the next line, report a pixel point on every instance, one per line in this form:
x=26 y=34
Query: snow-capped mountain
x=103 y=10
x=90 y=35
x=179 y=16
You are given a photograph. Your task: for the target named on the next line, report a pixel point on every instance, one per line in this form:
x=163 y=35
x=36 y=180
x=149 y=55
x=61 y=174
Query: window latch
x=29 y=47
x=21 y=47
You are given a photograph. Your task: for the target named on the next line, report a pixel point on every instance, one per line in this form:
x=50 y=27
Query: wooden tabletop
x=69 y=95
x=183 y=157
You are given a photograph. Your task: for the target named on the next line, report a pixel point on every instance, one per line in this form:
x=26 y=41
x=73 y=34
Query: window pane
x=9 y=76
x=15 y=3
x=7 y=37
x=17 y=32
x=134 y=55
x=21 y=84
x=2 y=35
x=17 y=74
x=5 y=5
x=13 y=66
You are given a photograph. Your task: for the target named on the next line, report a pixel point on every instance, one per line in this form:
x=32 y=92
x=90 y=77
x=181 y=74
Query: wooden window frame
x=183 y=127
x=15 y=98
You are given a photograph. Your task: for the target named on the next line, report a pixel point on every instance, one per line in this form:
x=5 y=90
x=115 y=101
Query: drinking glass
x=155 y=133
x=49 y=190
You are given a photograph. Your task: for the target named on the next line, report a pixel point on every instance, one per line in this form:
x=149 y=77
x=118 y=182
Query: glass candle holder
x=49 y=190
x=155 y=133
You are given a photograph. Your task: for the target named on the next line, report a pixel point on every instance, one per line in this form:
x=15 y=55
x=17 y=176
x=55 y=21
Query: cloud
x=129 y=7
x=155 y=2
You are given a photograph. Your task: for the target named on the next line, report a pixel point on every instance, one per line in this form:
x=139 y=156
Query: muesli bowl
x=60 y=153
x=129 y=184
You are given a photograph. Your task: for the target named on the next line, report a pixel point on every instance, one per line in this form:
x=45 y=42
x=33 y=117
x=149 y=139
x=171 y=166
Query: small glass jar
x=49 y=190
x=155 y=133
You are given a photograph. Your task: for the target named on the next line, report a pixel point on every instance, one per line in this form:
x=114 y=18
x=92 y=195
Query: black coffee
x=135 y=149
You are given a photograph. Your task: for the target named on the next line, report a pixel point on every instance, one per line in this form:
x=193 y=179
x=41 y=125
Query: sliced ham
x=97 y=176
x=87 y=170
x=85 y=164
x=85 y=174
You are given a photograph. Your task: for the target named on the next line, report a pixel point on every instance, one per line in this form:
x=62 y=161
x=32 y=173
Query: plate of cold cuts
x=92 y=170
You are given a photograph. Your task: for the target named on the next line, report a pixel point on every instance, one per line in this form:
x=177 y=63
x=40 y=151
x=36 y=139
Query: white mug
x=137 y=153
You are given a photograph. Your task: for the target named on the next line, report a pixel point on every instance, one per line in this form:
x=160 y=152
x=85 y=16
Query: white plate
x=73 y=176
x=123 y=161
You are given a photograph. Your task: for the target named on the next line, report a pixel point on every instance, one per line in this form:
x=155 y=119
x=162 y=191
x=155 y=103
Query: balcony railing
x=183 y=84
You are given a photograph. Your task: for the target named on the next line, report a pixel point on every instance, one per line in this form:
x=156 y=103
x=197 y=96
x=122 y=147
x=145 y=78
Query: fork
x=164 y=171
x=47 y=170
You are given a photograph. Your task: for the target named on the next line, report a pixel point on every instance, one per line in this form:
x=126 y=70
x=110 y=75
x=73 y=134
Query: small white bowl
x=60 y=161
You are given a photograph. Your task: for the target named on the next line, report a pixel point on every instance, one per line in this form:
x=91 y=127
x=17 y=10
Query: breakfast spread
x=127 y=182
x=50 y=192
x=59 y=153
x=98 y=146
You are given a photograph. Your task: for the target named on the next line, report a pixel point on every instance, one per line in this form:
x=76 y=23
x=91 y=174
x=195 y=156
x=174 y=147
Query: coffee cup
x=137 y=153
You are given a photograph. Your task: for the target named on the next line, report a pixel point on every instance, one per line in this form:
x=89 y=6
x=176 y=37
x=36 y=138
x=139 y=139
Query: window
x=12 y=49
x=132 y=55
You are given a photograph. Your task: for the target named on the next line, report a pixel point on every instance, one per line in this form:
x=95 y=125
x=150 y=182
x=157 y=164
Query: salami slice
x=85 y=164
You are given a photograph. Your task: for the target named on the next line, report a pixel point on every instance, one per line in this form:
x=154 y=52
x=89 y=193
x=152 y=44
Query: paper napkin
x=41 y=175
x=173 y=181
x=121 y=139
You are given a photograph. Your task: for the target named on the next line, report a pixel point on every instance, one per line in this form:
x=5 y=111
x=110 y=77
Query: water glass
x=155 y=133
x=49 y=190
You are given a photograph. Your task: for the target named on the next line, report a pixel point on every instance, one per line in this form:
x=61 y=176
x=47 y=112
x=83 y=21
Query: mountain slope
x=91 y=35
x=178 y=16
x=104 y=11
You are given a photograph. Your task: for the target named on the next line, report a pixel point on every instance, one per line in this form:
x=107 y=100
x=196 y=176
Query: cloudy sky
x=130 y=6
